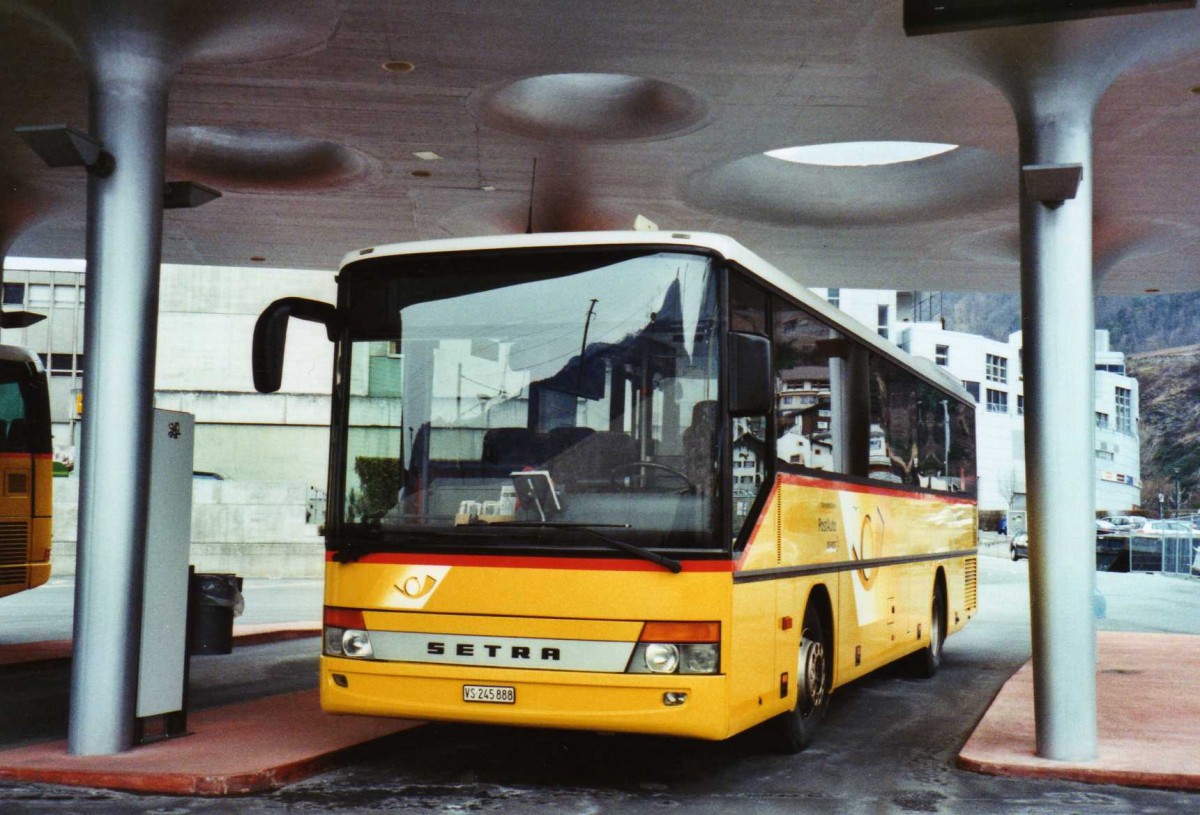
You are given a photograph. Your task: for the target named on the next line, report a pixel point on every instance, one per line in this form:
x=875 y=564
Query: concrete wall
x=250 y=528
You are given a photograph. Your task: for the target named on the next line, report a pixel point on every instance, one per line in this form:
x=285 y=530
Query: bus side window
x=912 y=425
x=804 y=399
x=752 y=466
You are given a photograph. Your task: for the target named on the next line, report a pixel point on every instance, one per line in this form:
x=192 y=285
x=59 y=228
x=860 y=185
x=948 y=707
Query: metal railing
x=1169 y=553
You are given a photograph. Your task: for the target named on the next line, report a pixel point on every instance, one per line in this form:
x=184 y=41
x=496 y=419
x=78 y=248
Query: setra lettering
x=494 y=651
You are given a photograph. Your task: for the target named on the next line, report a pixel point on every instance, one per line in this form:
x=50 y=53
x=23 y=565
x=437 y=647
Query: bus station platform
x=1146 y=719
x=234 y=749
x=1147 y=735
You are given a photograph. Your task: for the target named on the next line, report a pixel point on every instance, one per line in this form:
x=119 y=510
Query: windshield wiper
x=348 y=554
x=670 y=564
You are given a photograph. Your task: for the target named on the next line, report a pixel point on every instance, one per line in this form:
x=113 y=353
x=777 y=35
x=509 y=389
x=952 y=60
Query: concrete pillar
x=130 y=75
x=1055 y=125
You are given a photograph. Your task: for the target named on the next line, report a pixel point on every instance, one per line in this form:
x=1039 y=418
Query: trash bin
x=215 y=599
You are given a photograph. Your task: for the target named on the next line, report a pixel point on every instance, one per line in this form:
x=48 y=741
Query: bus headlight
x=346 y=634
x=661 y=657
x=357 y=644
x=699 y=658
x=333 y=641
x=677 y=648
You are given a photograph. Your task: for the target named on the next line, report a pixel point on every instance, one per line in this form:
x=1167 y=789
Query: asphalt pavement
x=888 y=745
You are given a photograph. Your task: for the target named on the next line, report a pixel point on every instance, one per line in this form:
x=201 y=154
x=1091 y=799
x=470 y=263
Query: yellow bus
x=628 y=481
x=25 y=472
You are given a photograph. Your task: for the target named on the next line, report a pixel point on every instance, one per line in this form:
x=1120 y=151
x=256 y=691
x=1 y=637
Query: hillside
x=1134 y=324
x=1169 y=382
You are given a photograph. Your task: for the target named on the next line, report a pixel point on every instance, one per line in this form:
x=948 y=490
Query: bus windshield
x=518 y=395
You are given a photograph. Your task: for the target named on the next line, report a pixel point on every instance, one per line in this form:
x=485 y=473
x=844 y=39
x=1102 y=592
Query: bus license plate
x=496 y=694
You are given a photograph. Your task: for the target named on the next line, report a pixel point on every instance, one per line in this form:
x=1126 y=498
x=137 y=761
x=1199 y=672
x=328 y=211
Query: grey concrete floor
x=45 y=612
x=887 y=746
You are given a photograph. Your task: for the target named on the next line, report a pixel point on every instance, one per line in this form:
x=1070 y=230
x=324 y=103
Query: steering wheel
x=617 y=472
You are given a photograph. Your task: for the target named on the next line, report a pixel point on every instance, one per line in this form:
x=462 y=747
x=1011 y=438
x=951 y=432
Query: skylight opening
x=860 y=153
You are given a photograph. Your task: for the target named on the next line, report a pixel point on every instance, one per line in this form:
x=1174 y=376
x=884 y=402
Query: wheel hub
x=812 y=676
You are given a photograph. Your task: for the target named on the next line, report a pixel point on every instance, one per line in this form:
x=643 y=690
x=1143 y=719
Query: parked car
x=1018 y=547
x=1165 y=528
x=1125 y=523
x=1104 y=527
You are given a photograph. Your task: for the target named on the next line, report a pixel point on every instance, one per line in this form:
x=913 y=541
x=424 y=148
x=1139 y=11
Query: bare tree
x=1008 y=485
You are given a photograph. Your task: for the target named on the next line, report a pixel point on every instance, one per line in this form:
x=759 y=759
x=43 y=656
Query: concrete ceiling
x=659 y=109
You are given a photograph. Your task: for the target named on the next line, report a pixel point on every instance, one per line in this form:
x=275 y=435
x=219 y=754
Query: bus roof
x=721 y=244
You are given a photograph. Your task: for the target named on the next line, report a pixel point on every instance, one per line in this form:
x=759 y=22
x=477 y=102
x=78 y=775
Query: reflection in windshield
x=588 y=398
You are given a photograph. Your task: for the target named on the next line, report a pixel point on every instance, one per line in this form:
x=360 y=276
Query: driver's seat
x=588 y=465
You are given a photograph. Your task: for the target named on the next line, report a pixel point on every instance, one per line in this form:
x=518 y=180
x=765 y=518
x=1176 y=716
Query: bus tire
x=795 y=729
x=925 y=663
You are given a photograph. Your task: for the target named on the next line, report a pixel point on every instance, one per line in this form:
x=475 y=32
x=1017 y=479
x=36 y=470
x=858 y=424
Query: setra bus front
x=525 y=465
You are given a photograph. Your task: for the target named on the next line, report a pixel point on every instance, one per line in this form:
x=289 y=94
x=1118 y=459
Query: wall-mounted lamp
x=63 y=146
x=20 y=319
x=187 y=195
x=1051 y=184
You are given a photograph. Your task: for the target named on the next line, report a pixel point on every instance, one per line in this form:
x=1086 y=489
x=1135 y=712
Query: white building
x=206 y=321
x=272 y=449
x=991 y=371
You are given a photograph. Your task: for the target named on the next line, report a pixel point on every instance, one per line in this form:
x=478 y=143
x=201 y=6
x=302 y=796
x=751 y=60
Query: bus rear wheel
x=925 y=663
x=796 y=728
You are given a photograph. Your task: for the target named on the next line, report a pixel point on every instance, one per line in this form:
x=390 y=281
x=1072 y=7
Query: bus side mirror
x=750 y=389
x=270 y=336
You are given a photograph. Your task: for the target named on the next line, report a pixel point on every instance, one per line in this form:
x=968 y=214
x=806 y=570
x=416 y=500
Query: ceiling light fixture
x=860 y=153
x=398 y=66
x=420 y=174
x=427 y=155
x=1153 y=291
x=258 y=259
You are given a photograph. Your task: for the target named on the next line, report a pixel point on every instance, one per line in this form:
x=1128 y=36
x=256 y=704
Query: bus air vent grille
x=12 y=576
x=14 y=543
x=971 y=570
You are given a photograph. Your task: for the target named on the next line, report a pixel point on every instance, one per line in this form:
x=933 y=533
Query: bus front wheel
x=795 y=729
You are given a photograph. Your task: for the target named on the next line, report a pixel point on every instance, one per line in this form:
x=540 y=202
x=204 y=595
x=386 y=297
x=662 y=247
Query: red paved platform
x=236 y=749
x=1148 y=718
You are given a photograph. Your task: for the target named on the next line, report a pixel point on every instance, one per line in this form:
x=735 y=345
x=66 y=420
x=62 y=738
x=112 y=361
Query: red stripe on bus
x=503 y=562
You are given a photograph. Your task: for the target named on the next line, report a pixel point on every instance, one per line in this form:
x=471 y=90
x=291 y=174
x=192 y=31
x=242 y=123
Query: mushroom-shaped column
x=132 y=50
x=1054 y=76
x=131 y=65
x=1058 y=330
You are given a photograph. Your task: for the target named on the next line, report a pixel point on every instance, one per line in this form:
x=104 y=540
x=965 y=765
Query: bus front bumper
x=628 y=703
